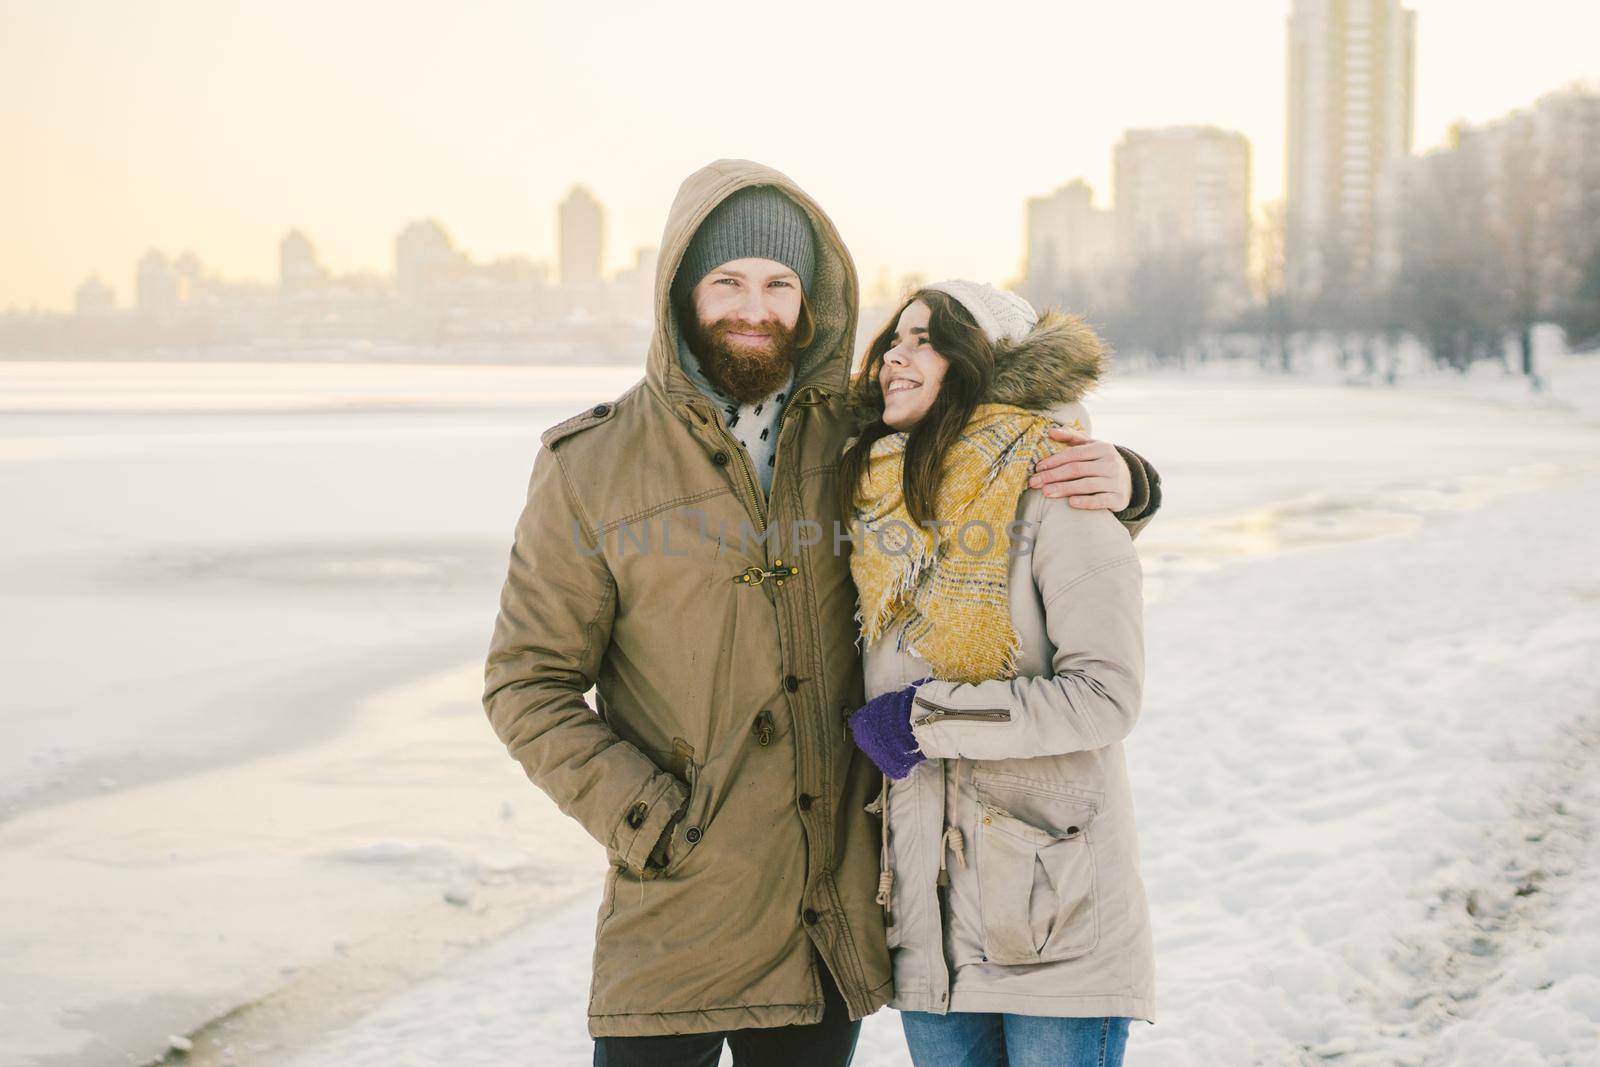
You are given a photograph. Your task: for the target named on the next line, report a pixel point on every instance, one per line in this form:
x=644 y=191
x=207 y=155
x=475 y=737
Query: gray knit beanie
x=757 y=221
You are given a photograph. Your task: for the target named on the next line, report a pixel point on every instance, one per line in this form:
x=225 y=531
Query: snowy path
x=1368 y=784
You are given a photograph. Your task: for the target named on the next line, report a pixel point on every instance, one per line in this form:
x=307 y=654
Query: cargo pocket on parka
x=686 y=833
x=1036 y=872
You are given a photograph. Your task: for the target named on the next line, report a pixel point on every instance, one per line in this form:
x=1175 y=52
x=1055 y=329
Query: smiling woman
x=912 y=371
x=912 y=362
x=1009 y=878
x=941 y=353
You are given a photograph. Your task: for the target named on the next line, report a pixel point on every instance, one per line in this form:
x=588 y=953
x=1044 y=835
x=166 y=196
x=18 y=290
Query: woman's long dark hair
x=957 y=337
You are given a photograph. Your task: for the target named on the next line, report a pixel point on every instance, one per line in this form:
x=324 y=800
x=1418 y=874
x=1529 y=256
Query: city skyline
x=1131 y=225
x=495 y=171
x=423 y=251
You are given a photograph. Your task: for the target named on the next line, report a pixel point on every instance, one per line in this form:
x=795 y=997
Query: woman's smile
x=910 y=365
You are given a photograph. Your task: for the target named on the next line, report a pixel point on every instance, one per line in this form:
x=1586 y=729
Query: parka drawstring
x=952 y=834
x=951 y=840
x=955 y=843
x=885 y=873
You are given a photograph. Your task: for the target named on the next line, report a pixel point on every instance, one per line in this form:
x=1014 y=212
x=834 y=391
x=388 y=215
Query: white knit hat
x=999 y=313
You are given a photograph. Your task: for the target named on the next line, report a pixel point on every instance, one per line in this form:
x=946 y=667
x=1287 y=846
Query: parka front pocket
x=1036 y=875
x=686 y=832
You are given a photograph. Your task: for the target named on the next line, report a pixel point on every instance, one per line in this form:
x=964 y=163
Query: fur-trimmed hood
x=1047 y=371
x=1059 y=360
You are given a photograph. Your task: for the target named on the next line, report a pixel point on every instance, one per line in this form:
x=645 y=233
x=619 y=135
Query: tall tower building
x=1068 y=241
x=1187 y=188
x=1350 y=114
x=425 y=257
x=155 y=284
x=298 y=266
x=94 y=296
x=582 y=225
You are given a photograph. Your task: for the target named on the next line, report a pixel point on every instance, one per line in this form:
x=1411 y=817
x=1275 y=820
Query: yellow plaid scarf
x=953 y=592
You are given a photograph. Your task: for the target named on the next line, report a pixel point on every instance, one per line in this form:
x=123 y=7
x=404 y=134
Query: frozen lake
x=242 y=757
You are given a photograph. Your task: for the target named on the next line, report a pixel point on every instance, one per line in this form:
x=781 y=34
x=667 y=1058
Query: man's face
x=745 y=316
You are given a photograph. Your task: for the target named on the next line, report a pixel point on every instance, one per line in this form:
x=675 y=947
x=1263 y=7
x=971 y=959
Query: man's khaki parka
x=724 y=667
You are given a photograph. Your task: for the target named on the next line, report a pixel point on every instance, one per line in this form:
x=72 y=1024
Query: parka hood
x=1059 y=360
x=824 y=365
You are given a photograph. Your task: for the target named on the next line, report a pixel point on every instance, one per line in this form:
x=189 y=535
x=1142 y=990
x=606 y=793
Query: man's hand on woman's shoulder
x=1093 y=474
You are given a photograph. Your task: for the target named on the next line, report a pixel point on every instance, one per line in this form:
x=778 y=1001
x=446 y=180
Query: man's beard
x=746 y=372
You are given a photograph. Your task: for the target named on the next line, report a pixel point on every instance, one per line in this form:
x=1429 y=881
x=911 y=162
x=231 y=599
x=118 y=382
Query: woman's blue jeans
x=982 y=1039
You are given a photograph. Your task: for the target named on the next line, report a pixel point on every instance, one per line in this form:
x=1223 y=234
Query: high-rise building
x=1069 y=242
x=581 y=222
x=1535 y=172
x=93 y=296
x=298 y=268
x=1350 y=115
x=155 y=284
x=1186 y=189
x=635 y=285
x=425 y=257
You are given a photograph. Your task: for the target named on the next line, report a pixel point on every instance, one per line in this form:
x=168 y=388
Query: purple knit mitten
x=882 y=729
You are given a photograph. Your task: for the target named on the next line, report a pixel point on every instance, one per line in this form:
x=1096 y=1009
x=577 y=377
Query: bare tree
x=1523 y=214
x=1273 y=317
x=1579 y=312
x=1445 y=291
x=1166 y=304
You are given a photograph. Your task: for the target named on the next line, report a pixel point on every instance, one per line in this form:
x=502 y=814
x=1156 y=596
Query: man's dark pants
x=829 y=1043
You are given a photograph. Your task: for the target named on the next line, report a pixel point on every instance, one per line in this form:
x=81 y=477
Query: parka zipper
x=942 y=882
x=777 y=440
x=737 y=450
x=941 y=711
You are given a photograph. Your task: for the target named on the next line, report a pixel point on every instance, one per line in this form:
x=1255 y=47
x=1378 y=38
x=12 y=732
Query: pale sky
x=921 y=128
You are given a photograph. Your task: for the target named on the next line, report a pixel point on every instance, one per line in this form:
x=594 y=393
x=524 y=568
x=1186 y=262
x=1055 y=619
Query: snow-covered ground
x=1368 y=784
x=246 y=771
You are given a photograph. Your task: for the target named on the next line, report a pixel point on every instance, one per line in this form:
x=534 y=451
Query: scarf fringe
x=897 y=597
x=1009 y=665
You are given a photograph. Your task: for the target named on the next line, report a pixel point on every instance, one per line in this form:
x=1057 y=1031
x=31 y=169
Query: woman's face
x=911 y=370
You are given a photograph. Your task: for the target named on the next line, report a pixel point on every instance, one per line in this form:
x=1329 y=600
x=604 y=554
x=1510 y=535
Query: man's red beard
x=746 y=372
